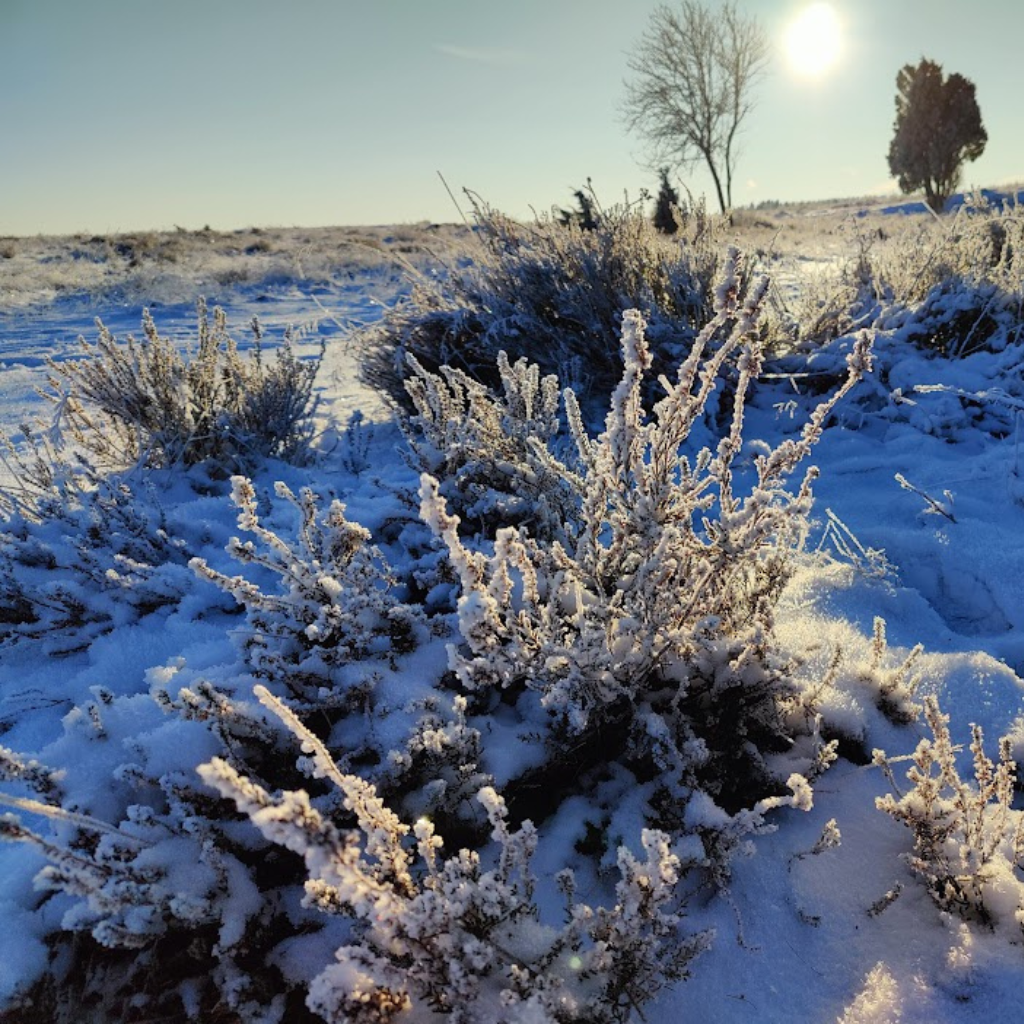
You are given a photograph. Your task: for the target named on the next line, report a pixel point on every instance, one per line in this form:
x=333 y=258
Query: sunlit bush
x=141 y=401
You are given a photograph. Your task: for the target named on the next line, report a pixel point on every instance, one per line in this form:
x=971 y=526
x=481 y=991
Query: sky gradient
x=121 y=115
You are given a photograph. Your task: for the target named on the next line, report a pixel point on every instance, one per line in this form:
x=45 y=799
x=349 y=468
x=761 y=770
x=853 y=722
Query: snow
x=796 y=937
x=23 y=953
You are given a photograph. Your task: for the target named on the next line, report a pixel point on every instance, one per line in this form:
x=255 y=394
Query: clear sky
x=119 y=115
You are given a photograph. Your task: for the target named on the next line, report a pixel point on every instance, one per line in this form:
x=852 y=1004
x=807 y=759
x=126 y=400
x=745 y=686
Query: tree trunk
x=718 y=182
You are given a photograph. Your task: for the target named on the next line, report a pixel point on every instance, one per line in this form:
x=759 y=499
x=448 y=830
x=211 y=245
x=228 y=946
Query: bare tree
x=695 y=69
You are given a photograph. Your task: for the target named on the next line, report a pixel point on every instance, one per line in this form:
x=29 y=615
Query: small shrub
x=958 y=316
x=892 y=687
x=336 y=604
x=142 y=402
x=355 y=443
x=553 y=294
x=492 y=453
x=44 y=477
x=438 y=771
x=648 y=640
x=82 y=553
x=968 y=839
x=165 y=893
x=953 y=288
x=324 y=639
x=448 y=935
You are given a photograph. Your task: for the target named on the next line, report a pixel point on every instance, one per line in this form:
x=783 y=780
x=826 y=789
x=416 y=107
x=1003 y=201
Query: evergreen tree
x=585 y=213
x=938 y=126
x=666 y=206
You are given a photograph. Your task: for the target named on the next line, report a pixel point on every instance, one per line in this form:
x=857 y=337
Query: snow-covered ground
x=797 y=939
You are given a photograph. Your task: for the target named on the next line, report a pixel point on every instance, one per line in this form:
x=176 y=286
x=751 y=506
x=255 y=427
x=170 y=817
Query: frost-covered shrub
x=892 y=686
x=980 y=244
x=326 y=637
x=841 y=680
x=649 y=638
x=952 y=287
x=492 y=452
x=447 y=934
x=170 y=906
x=553 y=294
x=83 y=554
x=42 y=475
x=335 y=605
x=437 y=772
x=130 y=899
x=968 y=839
x=160 y=914
x=141 y=401
x=958 y=316
x=934 y=295
x=355 y=443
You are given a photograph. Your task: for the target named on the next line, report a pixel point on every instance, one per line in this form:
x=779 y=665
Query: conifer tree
x=938 y=127
x=666 y=206
x=585 y=214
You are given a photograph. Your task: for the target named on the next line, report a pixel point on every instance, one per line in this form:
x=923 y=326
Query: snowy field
x=805 y=931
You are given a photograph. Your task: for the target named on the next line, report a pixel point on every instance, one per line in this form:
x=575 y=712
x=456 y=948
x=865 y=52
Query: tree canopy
x=694 y=71
x=938 y=127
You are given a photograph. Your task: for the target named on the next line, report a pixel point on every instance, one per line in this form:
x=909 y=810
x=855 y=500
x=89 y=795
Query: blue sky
x=121 y=115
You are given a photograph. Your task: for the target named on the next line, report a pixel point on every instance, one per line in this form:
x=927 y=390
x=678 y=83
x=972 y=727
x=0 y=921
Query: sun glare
x=814 y=40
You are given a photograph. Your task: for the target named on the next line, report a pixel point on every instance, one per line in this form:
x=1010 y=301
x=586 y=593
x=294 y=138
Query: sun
x=814 y=40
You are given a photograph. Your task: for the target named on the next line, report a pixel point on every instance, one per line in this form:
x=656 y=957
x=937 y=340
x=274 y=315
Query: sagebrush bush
x=324 y=636
x=553 y=293
x=492 y=452
x=163 y=890
x=891 y=686
x=43 y=477
x=335 y=606
x=142 y=402
x=968 y=838
x=445 y=933
x=355 y=443
x=82 y=552
x=438 y=770
x=177 y=887
x=647 y=634
x=953 y=287
x=948 y=290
